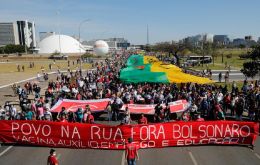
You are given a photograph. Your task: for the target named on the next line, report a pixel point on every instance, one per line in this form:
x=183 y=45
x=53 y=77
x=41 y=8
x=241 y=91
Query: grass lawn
x=9 y=72
x=11 y=66
x=235 y=62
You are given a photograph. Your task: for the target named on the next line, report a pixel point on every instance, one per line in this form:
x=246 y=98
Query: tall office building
x=221 y=39
x=18 y=33
x=8 y=34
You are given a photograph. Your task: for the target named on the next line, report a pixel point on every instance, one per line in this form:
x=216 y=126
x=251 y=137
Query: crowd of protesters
x=207 y=102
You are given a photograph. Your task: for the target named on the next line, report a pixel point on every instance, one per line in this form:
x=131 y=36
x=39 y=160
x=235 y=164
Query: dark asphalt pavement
x=192 y=155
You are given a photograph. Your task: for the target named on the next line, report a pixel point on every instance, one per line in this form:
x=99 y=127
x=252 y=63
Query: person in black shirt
x=158 y=113
x=167 y=112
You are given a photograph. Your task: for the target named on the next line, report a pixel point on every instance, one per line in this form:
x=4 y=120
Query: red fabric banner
x=100 y=105
x=73 y=105
x=75 y=135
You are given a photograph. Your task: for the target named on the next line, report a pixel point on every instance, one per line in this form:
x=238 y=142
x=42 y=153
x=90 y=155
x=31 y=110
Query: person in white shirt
x=219 y=97
x=48 y=115
x=2 y=113
x=12 y=112
x=38 y=76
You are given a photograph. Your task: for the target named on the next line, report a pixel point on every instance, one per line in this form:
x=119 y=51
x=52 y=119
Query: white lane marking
x=230 y=74
x=4 y=86
x=193 y=159
x=7 y=149
x=123 y=158
x=257 y=155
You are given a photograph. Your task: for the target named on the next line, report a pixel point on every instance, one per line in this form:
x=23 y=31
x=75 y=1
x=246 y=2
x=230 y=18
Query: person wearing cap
x=52 y=160
x=131 y=154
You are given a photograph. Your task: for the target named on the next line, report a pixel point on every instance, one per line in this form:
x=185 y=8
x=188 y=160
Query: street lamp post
x=86 y=20
x=203 y=54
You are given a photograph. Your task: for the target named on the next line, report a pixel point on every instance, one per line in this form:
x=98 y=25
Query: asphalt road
x=235 y=75
x=192 y=155
x=196 y=155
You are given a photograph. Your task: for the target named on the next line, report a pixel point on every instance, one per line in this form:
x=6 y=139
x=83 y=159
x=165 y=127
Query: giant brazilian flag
x=150 y=69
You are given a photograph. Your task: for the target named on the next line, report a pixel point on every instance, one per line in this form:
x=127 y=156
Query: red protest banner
x=73 y=105
x=75 y=135
x=100 y=105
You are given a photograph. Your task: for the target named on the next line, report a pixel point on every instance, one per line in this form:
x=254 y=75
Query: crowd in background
x=207 y=102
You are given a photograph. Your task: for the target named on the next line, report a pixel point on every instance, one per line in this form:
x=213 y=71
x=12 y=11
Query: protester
x=48 y=115
x=158 y=113
x=52 y=160
x=63 y=112
x=2 y=113
x=167 y=112
x=63 y=119
x=199 y=118
x=90 y=118
x=79 y=115
x=126 y=119
x=131 y=154
x=142 y=120
x=29 y=115
x=109 y=111
x=193 y=110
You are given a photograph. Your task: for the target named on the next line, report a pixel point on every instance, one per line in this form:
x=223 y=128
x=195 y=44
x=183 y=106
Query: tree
x=173 y=48
x=252 y=68
x=241 y=46
x=148 y=48
x=14 y=49
x=2 y=51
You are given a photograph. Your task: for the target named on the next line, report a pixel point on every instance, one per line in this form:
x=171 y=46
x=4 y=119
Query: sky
x=167 y=19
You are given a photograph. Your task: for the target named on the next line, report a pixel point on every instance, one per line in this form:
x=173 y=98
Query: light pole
x=86 y=20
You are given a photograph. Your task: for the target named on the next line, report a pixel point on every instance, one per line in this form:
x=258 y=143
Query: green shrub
x=86 y=55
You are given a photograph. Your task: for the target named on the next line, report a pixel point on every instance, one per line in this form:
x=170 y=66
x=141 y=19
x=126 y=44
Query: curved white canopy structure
x=60 y=43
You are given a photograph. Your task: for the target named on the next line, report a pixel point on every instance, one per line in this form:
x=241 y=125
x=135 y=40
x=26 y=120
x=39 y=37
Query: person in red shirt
x=142 y=120
x=52 y=160
x=63 y=119
x=90 y=118
x=131 y=153
x=199 y=118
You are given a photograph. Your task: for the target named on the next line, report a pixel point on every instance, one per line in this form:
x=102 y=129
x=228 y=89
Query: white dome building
x=60 y=43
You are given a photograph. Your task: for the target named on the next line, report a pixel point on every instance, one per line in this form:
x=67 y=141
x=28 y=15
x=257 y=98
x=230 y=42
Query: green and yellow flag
x=150 y=69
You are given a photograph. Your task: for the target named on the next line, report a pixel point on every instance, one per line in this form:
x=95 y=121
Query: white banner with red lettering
x=100 y=105
x=76 y=135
